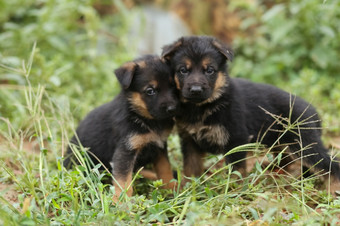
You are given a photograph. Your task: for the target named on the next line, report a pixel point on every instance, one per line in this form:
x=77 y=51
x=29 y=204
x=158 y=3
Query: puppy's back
x=100 y=130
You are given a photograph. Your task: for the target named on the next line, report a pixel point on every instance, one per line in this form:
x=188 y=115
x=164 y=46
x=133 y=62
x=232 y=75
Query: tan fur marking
x=215 y=134
x=139 y=105
x=130 y=66
x=124 y=184
x=164 y=172
x=206 y=62
x=188 y=63
x=148 y=174
x=153 y=83
x=220 y=83
x=164 y=59
x=141 y=64
x=178 y=86
x=139 y=141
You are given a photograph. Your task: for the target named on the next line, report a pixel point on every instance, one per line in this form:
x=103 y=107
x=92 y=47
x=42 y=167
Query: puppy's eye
x=183 y=71
x=210 y=71
x=150 y=91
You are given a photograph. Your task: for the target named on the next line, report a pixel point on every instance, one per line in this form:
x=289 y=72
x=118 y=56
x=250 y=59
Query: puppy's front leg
x=192 y=158
x=123 y=163
x=238 y=159
x=163 y=169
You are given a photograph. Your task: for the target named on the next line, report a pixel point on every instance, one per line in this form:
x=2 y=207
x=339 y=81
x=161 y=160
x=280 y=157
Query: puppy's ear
x=169 y=50
x=125 y=74
x=222 y=48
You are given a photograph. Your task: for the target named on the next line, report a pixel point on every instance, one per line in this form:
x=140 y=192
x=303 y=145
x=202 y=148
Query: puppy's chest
x=211 y=135
x=193 y=121
x=139 y=141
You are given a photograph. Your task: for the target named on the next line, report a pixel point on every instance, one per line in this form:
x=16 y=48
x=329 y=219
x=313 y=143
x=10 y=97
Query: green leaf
x=258 y=167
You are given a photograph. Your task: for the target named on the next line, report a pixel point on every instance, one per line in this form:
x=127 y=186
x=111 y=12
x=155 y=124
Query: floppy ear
x=168 y=50
x=222 y=48
x=125 y=74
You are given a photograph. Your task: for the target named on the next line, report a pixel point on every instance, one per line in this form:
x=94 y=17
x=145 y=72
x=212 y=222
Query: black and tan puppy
x=220 y=113
x=131 y=130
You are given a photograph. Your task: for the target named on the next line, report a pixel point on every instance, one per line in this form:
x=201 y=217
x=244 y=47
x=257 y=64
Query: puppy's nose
x=196 y=90
x=171 y=109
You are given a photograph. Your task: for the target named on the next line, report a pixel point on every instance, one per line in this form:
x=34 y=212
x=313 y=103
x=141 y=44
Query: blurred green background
x=289 y=43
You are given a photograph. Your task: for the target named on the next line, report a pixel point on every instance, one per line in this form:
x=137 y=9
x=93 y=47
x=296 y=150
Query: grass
x=44 y=192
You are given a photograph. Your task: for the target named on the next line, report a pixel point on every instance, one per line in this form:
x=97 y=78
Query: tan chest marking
x=139 y=141
x=214 y=134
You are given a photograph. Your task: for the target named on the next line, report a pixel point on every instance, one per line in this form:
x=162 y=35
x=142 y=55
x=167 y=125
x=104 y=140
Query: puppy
x=131 y=131
x=220 y=113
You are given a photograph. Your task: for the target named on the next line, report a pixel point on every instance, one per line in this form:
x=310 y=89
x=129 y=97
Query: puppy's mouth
x=195 y=95
x=167 y=112
x=164 y=117
x=195 y=100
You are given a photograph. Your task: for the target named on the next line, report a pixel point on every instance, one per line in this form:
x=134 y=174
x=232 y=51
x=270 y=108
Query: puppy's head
x=149 y=87
x=200 y=66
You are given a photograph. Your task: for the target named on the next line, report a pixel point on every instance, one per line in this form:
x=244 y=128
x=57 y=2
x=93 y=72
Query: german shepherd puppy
x=220 y=113
x=131 y=130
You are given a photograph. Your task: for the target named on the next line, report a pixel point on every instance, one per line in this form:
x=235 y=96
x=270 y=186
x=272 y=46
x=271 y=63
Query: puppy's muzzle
x=171 y=109
x=196 y=90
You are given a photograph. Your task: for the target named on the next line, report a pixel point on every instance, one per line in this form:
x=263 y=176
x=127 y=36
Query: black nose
x=171 y=109
x=196 y=90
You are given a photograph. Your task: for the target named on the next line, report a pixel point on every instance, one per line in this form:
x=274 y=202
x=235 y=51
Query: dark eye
x=210 y=71
x=183 y=71
x=150 y=91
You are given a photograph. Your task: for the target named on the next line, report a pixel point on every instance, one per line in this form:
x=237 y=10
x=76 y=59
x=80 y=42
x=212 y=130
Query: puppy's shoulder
x=248 y=87
x=244 y=84
x=103 y=118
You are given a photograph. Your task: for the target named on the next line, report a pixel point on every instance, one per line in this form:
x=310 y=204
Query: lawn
x=56 y=64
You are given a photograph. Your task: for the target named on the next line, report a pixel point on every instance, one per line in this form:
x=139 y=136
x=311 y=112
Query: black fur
x=220 y=113
x=131 y=130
